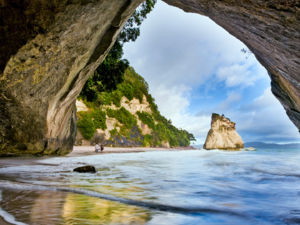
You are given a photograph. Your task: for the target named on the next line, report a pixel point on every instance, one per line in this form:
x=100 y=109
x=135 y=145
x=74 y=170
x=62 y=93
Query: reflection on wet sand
x=34 y=207
x=80 y=209
x=47 y=208
x=51 y=208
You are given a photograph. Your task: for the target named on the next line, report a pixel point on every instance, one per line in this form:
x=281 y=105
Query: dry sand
x=90 y=150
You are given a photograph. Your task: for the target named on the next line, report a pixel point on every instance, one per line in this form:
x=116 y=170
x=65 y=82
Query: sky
x=194 y=68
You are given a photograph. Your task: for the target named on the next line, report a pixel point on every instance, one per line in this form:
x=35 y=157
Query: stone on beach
x=85 y=169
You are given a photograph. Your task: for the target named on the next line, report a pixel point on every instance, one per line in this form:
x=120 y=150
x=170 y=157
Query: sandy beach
x=90 y=150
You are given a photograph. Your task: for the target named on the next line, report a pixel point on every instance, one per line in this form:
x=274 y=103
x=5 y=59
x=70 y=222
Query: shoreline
x=79 y=151
x=90 y=150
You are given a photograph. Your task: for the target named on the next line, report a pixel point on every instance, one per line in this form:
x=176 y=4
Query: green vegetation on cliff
x=88 y=122
x=110 y=72
x=126 y=131
x=114 y=82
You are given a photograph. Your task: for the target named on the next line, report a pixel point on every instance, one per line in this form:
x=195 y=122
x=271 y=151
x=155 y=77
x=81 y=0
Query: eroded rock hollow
x=49 y=48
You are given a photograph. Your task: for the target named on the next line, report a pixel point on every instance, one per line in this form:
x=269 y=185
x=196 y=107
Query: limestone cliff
x=49 y=48
x=126 y=116
x=222 y=134
x=111 y=134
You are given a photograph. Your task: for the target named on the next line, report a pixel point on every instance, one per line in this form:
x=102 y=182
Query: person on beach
x=102 y=147
x=97 y=148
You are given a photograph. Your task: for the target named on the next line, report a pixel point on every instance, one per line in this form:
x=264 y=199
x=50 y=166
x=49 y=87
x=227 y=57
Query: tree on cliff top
x=111 y=71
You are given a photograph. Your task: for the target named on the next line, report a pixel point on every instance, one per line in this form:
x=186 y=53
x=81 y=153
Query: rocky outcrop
x=222 y=134
x=49 y=48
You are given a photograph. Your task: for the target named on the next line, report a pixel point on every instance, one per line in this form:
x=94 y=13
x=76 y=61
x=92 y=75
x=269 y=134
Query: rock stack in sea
x=222 y=134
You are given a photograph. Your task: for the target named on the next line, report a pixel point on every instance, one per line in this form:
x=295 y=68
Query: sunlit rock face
x=222 y=134
x=271 y=30
x=48 y=50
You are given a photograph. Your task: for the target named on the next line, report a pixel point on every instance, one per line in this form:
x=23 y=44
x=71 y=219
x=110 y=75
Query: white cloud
x=171 y=100
x=266 y=119
x=173 y=103
x=179 y=52
x=241 y=73
x=177 y=47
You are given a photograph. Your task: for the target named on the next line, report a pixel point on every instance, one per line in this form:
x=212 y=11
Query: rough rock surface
x=48 y=49
x=222 y=134
x=85 y=169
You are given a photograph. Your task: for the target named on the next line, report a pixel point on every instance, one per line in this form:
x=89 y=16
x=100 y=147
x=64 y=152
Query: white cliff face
x=222 y=134
x=81 y=107
x=133 y=106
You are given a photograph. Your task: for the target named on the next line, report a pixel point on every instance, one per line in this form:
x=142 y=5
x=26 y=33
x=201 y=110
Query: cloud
x=194 y=68
x=264 y=119
x=186 y=49
x=173 y=102
x=242 y=73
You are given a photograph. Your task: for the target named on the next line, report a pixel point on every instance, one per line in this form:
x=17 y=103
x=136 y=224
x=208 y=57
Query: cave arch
x=49 y=49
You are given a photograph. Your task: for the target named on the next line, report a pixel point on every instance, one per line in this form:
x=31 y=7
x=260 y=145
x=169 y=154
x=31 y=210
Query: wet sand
x=77 y=152
x=3 y=222
x=90 y=150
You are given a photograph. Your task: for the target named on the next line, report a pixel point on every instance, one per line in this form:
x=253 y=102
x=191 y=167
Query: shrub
x=116 y=97
x=123 y=116
x=85 y=125
x=146 y=118
x=139 y=94
x=104 y=98
x=124 y=132
x=161 y=131
x=113 y=132
x=148 y=140
x=99 y=119
x=127 y=90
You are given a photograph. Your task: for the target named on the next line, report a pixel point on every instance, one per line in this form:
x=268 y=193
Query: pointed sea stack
x=222 y=134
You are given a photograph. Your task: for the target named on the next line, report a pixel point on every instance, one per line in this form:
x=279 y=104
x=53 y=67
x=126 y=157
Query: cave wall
x=49 y=48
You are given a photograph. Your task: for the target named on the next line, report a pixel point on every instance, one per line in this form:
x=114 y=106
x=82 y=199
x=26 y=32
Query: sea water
x=161 y=187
